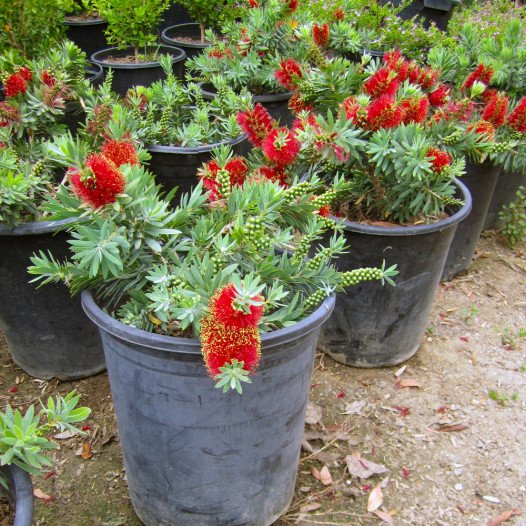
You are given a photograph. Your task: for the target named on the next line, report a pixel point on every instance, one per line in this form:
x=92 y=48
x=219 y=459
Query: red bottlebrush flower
x=215 y=53
x=99 y=182
x=440 y=159
x=394 y=61
x=415 y=109
x=339 y=14
x=496 y=109
x=484 y=128
x=325 y=211
x=274 y=174
x=286 y=75
x=482 y=74
x=253 y=3
x=426 y=78
x=8 y=115
x=296 y=104
x=281 y=146
x=440 y=96
x=25 y=73
x=221 y=344
x=48 y=79
x=256 y=123
x=14 y=85
x=382 y=82
x=320 y=34
x=120 y=152
x=238 y=169
x=383 y=113
x=517 y=118
x=414 y=72
x=354 y=112
x=292 y=5
x=101 y=116
x=223 y=309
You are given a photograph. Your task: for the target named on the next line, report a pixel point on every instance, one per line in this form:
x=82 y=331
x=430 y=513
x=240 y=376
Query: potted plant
x=191 y=37
x=83 y=24
x=135 y=59
x=249 y=53
x=24 y=446
x=222 y=276
x=403 y=202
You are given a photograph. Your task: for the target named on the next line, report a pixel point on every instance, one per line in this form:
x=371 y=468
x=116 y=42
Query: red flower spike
x=274 y=174
x=339 y=14
x=215 y=53
x=496 y=109
x=488 y=94
x=14 y=85
x=440 y=96
x=99 y=183
x=383 y=113
x=256 y=123
x=440 y=160
x=292 y=4
x=325 y=211
x=382 y=82
x=25 y=73
x=354 y=112
x=120 y=152
x=482 y=74
x=253 y=3
x=517 y=118
x=296 y=104
x=415 y=109
x=287 y=74
x=223 y=309
x=238 y=169
x=281 y=146
x=320 y=34
x=484 y=128
x=8 y=115
x=48 y=79
x=394 y=61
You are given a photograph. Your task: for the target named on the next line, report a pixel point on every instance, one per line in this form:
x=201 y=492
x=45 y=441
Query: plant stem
x=378 y=190
x=136 y=53
x=202 y=29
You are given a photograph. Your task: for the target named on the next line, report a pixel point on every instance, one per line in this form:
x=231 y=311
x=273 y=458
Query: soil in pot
x=176 y=166
x=186 y=37
x=87 y=33
x=480 y=180
x=196 y=456
x=375 y=325
x=17 y=507
x=276 y=104
x=47 y=333
x=128 y=73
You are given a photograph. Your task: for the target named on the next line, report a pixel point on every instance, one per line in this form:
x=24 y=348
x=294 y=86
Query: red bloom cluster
x=256 y=123
x=320 y=34
x=281 y=147
x=354 y=112
x=101 y=116
x=292 y=5
x=460 y=110
x=48 y=79
x=237 y=169
x=274 y=174
x=415 y=109
x=482 y=74
x=120 y=152
x=14 y=85
x=229 y=333
x=296 y=104
x=383 y=112
x=253 y=3
x=99 y=182
x=496 y=109
x=394 y=61
x=339 y=14
x=383 y=82
x=517 y=118
x=440 y=96
x=484 y=128
x=8 y=115
x=440 y=159
x=25 y=73
x=289 y=70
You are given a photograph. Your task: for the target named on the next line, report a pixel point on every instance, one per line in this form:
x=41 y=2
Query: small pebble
x=458 y=472
x=459 y=487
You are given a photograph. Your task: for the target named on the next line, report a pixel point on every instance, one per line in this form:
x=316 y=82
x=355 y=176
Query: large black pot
x=175 y=14
x=505 y=193
x=196 y=456
x=88 y=35
x=47 y=333
x=175 y=35
x=276 y=104
x=480 y=180
x=177 y=166
x=127 y=75
x=375 y=325
x=437 y=11
x=20 y=493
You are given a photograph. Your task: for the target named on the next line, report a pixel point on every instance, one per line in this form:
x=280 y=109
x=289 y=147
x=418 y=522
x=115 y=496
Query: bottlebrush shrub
x=250 y=52
x=174 y=114
x=23 y=439
x=223 y=268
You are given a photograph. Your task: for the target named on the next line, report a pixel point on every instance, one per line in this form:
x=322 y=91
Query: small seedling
x=431 y=330
x=500 y=398
x=515 y=396
x=522 y=368
x=522 y=333
x=508 y=340
x=469 y=314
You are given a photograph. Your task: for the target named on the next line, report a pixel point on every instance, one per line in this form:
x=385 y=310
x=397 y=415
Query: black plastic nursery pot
x=436 y=11
x=87 y=34
x=129 y=74
x=480 y=180
x=276 y=104
x=47 y=333
x=377 y=326
x=195 y=456
x=186 y=37
x=505 y=193
x=20 y=494
x=176 y=166
x=175 y=14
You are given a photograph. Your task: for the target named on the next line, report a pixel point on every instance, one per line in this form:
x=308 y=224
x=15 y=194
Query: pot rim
x=169 y=39
x=182 y=150
x=274 y=97
x=452 y=220
x=98 y=57
x=36 y=227
x=93 y=22
x=192 y=346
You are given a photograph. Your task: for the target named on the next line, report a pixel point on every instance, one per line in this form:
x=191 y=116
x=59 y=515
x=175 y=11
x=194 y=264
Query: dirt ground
x=453 y=445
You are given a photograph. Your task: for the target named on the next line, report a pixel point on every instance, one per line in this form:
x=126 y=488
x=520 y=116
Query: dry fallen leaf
x=386 y=517
x=376 y=498
x=315 y=473
x=408 y=382
x=362 y=468
x=325 y=476
x=503 y=517
x=313 y=415
x=310 y=507
x=355 y=408
x=305 y=446
x=448 y=428
x=66 y=434
x=400 y=371
x=86 y=452
x=39 y=494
